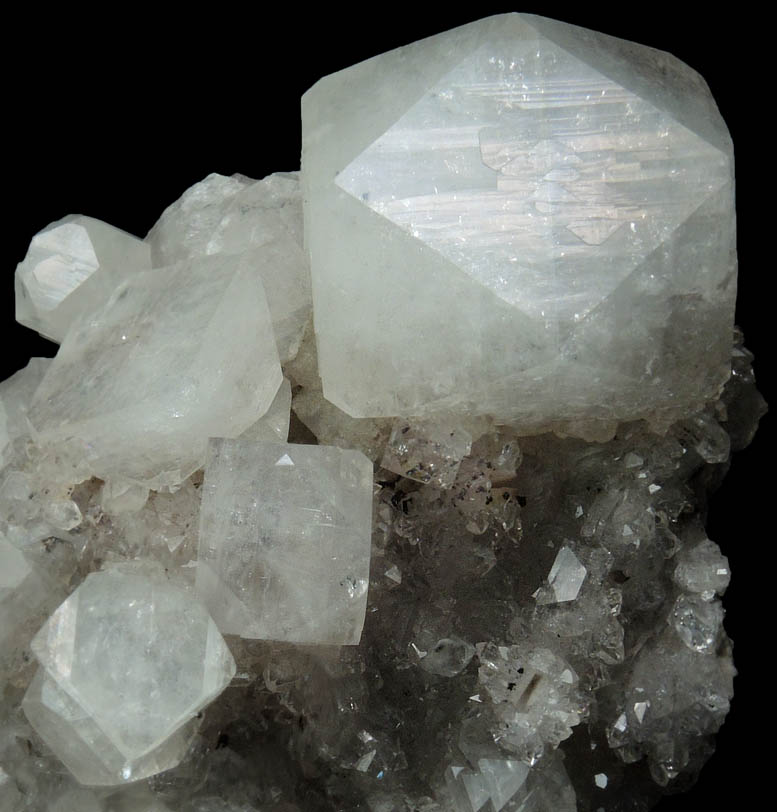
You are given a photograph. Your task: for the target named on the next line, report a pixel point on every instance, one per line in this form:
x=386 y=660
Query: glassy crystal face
x=127 y=662
x=71 y=267
x=489 y=203
x=175 y=356
x=259 y=220
x=285 y=541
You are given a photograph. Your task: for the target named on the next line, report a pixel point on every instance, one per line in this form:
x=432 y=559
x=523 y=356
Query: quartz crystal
x=175 y=356
x=71 y=268
x=452 y=523
x=285 y=541
x=519 y=218
x=118 y=691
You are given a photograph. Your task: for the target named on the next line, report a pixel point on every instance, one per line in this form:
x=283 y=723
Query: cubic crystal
x=484 y=207
x=285 y=541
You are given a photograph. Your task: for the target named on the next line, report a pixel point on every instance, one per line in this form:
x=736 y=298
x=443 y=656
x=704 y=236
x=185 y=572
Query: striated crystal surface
x=177 y=355
x=118 y=692
x=489 y=203
x=285 y=541
x=71 y=268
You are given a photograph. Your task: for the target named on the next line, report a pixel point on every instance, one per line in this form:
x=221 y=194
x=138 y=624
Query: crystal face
x=285 y=541
x=72 y=267
x=177 y=355
x=118 y=683
x=260 y=221
x=515 y=186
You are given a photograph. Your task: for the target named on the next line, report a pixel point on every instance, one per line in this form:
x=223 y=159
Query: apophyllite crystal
x=118 y=693
x=445 y=504
x=519 y=218
x=285 y=541
x=72 y=267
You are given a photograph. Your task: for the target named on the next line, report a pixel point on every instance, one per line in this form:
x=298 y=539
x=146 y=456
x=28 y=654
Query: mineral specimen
x=285 y=541
x=547 y=211
x=493 y=589
x=117 y=695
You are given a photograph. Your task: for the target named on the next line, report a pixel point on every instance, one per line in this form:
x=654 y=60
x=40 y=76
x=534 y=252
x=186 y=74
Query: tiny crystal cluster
x=380 y=485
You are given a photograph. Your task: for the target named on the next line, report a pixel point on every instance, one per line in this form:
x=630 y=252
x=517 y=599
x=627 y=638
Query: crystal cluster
x=402 y=509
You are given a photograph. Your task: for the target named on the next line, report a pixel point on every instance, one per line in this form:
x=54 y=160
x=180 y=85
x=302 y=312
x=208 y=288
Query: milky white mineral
x=519 y=218
x=71 y=268
x=126 y=665
x=285 y=541
x=176 y=355
x=259 y=220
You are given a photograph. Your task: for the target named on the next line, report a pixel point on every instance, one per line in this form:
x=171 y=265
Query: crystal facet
x=118 y=690
x=489 y=203
x=285 y=541
x=177 y=355
x=71 y=268
x=258 y=220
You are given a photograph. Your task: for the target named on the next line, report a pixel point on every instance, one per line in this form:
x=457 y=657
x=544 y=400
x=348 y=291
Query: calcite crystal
x=285 y=541
x=118 y=693
x=446 y=505
x=524 y=219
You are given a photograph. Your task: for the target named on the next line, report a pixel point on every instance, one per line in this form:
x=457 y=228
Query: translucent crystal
x=259 y=220
x=177 y=355
x=273 y=426
x=564 y=580
x=448 y=658
x=117 y=693
x=71 y=268
x=484 y=205
x=15 y=395
x=697 y=622
x=426 y=451
x=285 y=541
x=703 y=569
x=498 y=783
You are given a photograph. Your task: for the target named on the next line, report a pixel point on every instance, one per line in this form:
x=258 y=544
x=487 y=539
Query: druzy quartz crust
x=382 y=485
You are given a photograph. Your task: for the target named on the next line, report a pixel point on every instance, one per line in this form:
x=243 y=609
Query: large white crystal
x=72 y=267
x=285 y=541
x=523 y=218
x=177 y=355
x=127 y=663
x=261 y=220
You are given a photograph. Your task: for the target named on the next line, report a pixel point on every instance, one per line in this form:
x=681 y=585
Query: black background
x=114 y=116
